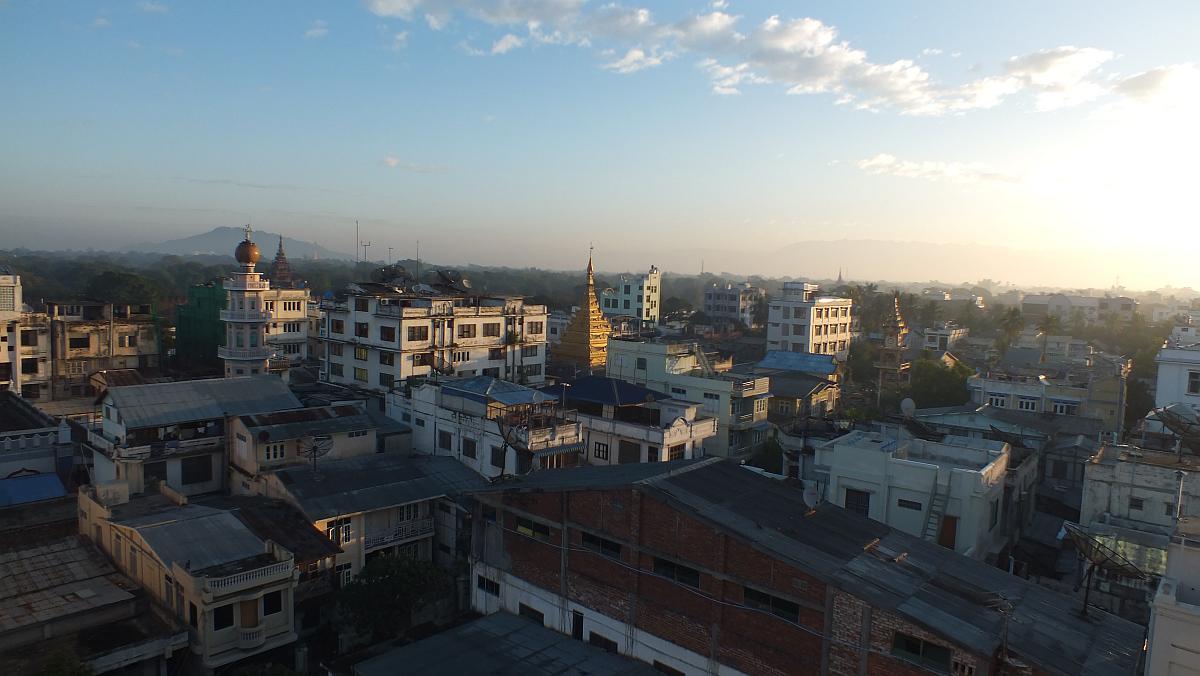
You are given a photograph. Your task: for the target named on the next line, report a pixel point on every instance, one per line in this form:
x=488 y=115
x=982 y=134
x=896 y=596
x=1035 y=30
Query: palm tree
x=1011 y=324
x=1047 y=325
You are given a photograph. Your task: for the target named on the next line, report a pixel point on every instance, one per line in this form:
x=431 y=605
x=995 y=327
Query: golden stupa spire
x=585 y=339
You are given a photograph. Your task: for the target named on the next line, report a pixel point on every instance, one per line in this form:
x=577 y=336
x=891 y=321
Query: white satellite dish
x=908 y=407
x=810 y=494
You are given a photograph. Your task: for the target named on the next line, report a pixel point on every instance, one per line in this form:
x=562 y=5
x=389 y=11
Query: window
x=80 y=343
x=529 y=613
x=1136 y=503
x=676 y=452
x=492 y=372
x=602 y=545
x=922 y=652
x=275 y=451
x=127 y=341
x=461 y=356
x=466 y=330
x=678 y=572
x=1027 y=404
x=1193 y=382
x=468 y=448
x=337 y=326
x=193 y=616
x=858 y=502
x=529 y=351
x=362 y=330
x=340 y=530
x=335 y=349
x=345 y=573
x=357 y=433
x=679 y=390
x=626 y=305
x=487 y=586
x=498 y=457
x=788 y=610
x=491 y=330
x=291 y=327
x=602 y=642
x=420 y=422
x=387 y=334
x=601 y=452
x=1065 y=408
x=387 y=359
x=386 y=380
x=909 y=504
x=531 y=370
x=222 y=617
x=360 y=374
x=1168 y=509
x=418 y=333
x=272 y=603
x=533 y=529
x=997 y=400
x=361 y=354
x=75 y=368
x=362 y=305
x=196 y=470
x=993 y=514
x=444 y=440
x=495 y=353
x=335 y=369
x=29 y=365
x=534 y=328
x=28 y=338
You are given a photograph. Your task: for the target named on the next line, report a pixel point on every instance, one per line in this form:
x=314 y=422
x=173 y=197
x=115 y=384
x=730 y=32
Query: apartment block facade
x=638 y=296
x=733 y=303
x=800 y=320
x=90 y=336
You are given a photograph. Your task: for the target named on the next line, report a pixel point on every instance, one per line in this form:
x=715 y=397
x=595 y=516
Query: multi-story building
x=800 y=320
x=637 y=296
x=377 y=335
x=955 y=492
x=739 y=402
x=1174 y=641
x=91 y=336
x=1058 y=347
x=803 y=386
x=941 y=336
x=704 y=567
x=1022 y=380
x=733 y=303
x=199 y=331
x=246 y=318
x=233 y=589
x=1179 y=370
x=496 y=428
x=1090 y=309
x=177 y=432
x=624 y=423
x=32 y=441
x=25 y=364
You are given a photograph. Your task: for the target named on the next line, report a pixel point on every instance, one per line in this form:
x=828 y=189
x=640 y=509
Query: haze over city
x=1029 y=141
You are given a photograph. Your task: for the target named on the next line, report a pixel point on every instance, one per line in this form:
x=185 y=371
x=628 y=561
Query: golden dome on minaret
x=247 y=252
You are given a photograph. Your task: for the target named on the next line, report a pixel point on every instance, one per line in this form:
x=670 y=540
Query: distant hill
x=222 y=241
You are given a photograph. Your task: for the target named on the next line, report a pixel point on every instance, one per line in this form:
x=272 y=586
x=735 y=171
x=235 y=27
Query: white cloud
x=318 y=29
x=713 y=31
x=957 y=172
x=400 y=40
x=467 y=48
x=101 y=22
x=719 y=4
x=437 y=21
x=1062 y=76
x=394 y=162
x=133 y=44
x=634 y=60
x=931 y=51
x=506 y=44
x=151 y=7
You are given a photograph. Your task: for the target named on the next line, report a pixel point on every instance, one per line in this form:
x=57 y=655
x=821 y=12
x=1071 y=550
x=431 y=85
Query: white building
x=556 y=324
x=1179 y=370
x=25 y=366
x=1091 y=309
x=289 y=326
x=951 y=492
x=246 y=318
x=682 y=370
x=732 y=303
x=1174 y=640
x=802 y=321
x=378 y=335
x=941 y=336
x=636 y=296
x=494 y=427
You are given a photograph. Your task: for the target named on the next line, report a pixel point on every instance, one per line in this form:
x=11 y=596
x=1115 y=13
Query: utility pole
x=356 y=240
x=389 y=255
x=365 y=246
x=418 y=277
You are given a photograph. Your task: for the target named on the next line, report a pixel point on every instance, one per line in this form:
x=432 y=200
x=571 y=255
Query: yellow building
x=584 y=343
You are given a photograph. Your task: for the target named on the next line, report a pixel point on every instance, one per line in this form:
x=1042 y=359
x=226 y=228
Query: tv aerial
x=1098 y=554
x=314 y=446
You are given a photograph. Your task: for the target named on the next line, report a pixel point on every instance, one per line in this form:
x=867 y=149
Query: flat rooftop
x=501 y=643
x=1111 y=454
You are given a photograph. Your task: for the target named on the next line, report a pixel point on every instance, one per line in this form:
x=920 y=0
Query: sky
x=1038 y=143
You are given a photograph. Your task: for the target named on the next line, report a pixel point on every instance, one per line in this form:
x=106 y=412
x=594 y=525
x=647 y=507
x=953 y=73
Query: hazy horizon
x=1043 y=145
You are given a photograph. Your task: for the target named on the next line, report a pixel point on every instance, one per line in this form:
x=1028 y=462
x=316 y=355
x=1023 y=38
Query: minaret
x=585 y=339
x=280 y=272
x=246 y=352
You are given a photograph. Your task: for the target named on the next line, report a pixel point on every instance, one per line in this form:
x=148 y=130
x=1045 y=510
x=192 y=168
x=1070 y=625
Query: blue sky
x=518 y=131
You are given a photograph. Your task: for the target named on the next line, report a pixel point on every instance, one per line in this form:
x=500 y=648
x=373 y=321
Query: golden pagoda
x=585 y=339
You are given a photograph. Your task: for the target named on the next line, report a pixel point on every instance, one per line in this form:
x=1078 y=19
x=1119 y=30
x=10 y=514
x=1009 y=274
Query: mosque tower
x=245 y=352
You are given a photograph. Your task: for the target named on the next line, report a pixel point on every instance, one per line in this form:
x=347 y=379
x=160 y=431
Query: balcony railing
x=251 y=638
x=409 y=530
x=249 y=578
x=245 y=316
x=261 y=352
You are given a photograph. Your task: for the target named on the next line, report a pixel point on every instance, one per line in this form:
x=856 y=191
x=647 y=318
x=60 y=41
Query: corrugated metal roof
x=318 y=420
x=197 y=537
x=20 y=490
x=803 y=362
x=375 y=482
x=487 y=388
x=160 y=404
x=606 y=391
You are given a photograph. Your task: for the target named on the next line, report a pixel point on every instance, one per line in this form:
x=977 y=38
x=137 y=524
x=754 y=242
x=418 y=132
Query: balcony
x=255 y=577
x=409 y=530
x=245 y=316
x=248 y=353
x=251 y=638
x=245 y=285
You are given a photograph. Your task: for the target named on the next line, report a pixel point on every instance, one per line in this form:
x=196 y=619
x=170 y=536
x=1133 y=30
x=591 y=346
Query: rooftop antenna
x=314 y=446
x=365 y=246
x=1099 y=554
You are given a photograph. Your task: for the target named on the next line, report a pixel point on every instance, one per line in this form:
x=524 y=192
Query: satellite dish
x=810 y=494
x=391 y=273
x=1099 y=554
x=908 y=407
x=314 y=446
x=454 y=279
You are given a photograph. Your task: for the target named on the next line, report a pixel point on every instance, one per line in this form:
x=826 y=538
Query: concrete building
x=624 y=423
x=199 y=331
x=379 y=334
x=380 y=505
x=25 y=364
x=637 y=296
x=494 y=427
x=682 y=370
x=1179 y=370
x=32 y=442
x=704 y=567
x=1174 y=640
x=803 y=386
x=1021 y=380
x=955 y=492
x=800 y=320
x=177 y=432
x=246 y=318
x=733 y=303
x=939 y=337
x=233 y=589
x=1090 y=309
x=91 y=336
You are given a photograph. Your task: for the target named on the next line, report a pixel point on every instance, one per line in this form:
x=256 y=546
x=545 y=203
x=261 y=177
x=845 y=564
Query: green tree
x=860 y=362
x=935 y=384
x=1047 y=325
x=1011 y=323
x=379 y=601
x=1077 y=323
x=115 y=286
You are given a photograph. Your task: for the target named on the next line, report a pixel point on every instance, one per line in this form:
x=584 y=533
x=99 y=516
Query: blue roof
x=606 y=391
x=804 y=362
x=19 y=490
